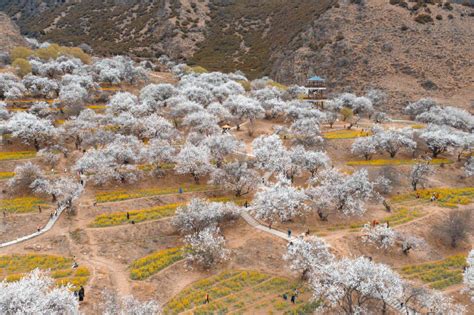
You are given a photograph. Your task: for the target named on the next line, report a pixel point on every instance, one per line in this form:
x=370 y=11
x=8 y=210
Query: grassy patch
x=446 y=197
x=19 y=155
x=21 y=204
x=149 y=265
x=384 y=162
x=153 y=213
x=6 y=175
x=399 y=216
x=14 y=267
x=345 y=134
x=439 y=274
x=120 y=195
x=243 y=292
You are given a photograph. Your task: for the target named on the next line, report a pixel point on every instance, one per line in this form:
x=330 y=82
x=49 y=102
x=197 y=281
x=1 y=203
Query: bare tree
x=455 y=228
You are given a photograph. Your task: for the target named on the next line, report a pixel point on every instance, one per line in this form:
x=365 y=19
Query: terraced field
x=14 y=267
x=439 y=274
x=241 y=292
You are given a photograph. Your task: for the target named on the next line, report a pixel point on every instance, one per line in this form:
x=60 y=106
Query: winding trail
x=45 y=229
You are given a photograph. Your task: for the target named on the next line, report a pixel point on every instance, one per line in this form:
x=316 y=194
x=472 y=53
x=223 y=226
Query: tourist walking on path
x=206 y=301
x=81 y=294
x=128 y=216
x=289 y=233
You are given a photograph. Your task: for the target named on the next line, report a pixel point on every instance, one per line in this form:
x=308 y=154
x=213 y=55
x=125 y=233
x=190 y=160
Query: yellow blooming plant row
x=149 y=265
x=385 y=162
x=399 y=216
x=345 y=134
x=240 y=292
x=19 y=155
x=148 y=214
x=120 y=195
x=31 y=101
x=21 y=204
x=14 y=267
x=446 y=197
x=439 y=274
x=6 y=175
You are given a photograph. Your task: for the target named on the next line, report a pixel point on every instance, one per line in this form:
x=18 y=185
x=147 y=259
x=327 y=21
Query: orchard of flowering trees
x=149 y=130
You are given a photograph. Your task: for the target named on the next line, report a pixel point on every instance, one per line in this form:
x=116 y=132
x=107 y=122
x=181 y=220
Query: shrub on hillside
x=424 y=18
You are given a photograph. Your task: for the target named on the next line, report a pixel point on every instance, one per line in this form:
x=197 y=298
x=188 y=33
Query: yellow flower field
x=21 y=204
x=439 y=274
x=447 y=197
x=241 y=292
x=14 y=267
x=153 y=213
x=19 y=155
x=96 y=107
x=119 y=195
x=385 y=162
x=345 y=134
x=6 y=175
x=149 y=265
x=398 y=216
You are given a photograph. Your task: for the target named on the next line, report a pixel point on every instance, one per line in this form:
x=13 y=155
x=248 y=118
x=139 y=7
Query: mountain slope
x=355 y=44
x=10 y=34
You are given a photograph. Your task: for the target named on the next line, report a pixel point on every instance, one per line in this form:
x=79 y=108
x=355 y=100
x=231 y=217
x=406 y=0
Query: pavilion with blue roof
x=316 y=88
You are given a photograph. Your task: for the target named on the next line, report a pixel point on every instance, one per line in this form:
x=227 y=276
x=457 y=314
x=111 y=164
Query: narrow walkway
x=254 y=223
x=45 y=229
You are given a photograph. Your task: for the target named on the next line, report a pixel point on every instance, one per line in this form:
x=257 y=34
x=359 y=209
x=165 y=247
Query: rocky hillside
x=412 y=49
x=10 y=34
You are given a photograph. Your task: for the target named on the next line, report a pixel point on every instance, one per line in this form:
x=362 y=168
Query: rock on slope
x=10 y=34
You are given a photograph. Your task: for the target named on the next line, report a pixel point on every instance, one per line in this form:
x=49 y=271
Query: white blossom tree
x=380 y=235
x=350 y=284
x=306 y=132
x=364 y=146
x=36 y=293
x=63 y=190
x=31 y=129
x=111 y=304
x=393 y=140
x=308 y=254
x=193 y=160
x=420 y=106
x=121 y=102
x=202 y=122
x=280 y=201
x=221 y=145
x=419 y=174
x=157 y=153
x=242 y=107
x=206 y=248
x=25 y=175
x=73 y=97
x=469 y=167
x=270 y=153
x=199 y=214
x=469 y=275
x=156 y=95
x=439 y=139
x=236 y=177
x=345 y=194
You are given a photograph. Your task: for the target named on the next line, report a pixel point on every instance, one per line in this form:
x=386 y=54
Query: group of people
x=293 y=296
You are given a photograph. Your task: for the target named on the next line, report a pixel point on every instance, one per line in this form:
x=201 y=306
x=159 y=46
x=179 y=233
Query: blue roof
x=316 y=78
